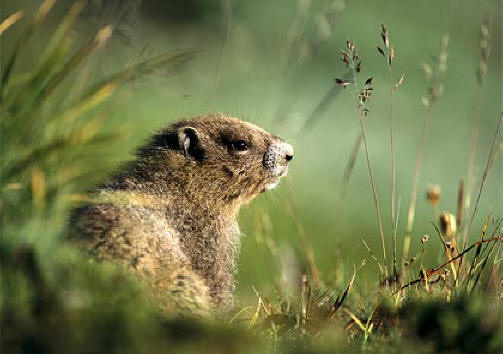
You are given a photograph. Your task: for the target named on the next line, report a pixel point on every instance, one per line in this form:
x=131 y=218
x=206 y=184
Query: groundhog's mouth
x=271 y=185
x=275 y=181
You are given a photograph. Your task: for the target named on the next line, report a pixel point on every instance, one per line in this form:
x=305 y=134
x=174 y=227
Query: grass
x=351 y=59
x=53 y=128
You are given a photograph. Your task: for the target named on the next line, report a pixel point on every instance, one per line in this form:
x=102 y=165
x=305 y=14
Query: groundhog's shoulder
x=139 y=238
x=132 y=233
x=111 y=210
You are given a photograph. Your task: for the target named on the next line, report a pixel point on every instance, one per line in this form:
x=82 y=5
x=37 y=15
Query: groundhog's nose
x=277 y=156
x=288 y=152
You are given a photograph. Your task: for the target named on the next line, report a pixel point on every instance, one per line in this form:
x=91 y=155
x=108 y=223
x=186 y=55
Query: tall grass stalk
x=309 y=254
x=483 y=180
x=485 y=50
x=388 y=54
x=46 y=145
x=417 y=171
x=319 y=110
x=226 y=13
x=393 y=165
x=351 y=163
x=350 y=57
x=435 y=90
x=20 y=45
x=374 y=191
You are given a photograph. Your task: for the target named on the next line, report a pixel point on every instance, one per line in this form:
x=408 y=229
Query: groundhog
x=169 y=216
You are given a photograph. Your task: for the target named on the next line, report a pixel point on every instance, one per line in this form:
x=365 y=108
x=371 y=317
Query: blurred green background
x=272 y=63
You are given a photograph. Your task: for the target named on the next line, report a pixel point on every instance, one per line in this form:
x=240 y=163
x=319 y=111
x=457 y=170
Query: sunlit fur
x=170 y=215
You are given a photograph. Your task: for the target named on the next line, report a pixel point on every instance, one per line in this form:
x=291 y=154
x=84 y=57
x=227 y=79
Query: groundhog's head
x=220 y=158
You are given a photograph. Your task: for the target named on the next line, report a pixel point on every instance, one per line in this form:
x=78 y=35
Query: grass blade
x=9 y=21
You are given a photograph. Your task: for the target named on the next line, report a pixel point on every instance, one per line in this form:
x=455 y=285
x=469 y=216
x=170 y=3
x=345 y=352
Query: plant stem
x=393 y=171
x=482 y=182
x=351 y=164
x=435 y=270
x=374 y=192
x=417 y=172
x=473 y=151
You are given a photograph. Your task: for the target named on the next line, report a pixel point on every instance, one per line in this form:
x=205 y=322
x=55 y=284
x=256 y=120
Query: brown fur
x=170 y=215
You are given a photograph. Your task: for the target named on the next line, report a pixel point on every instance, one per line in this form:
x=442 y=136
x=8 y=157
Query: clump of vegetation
x=55 y=299
x=414 y=303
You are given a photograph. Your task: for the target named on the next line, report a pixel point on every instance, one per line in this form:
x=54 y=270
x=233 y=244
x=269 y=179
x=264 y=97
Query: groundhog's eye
x=240 y=145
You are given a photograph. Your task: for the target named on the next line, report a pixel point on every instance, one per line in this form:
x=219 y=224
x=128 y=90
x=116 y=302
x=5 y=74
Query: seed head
x=433 y=194
x=384 y=36
x=350 y=45
x=447 y=224
x=485 y=49
x=427 y=71
x=358 y=67
x=342 y=83
x=398 y=82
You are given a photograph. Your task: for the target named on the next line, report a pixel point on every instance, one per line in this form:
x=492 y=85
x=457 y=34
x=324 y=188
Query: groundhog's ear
x=189 y=142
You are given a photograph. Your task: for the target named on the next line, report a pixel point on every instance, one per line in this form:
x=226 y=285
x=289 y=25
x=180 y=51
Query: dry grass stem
x=351 y=163
x=388 y=53
x=9 y=21
x=485 y=50
x=417 y=172
x=460 y=208
x=340 y=300
x=321 y=108
x=23 y=41
x=369 y=250
x=436 y=270
x=482 y=182
x=435 y=90
x=305 y=244
x=351 y=59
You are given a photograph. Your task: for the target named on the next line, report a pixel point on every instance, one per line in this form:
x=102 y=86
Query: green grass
x=307 y=282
